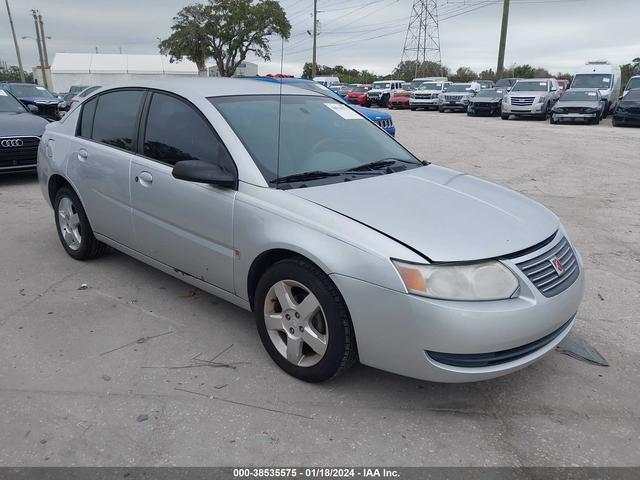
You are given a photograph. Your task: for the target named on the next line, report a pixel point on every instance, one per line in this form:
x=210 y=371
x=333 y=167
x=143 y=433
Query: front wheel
x=303 y=321
x=441 y=110
x=504 y=116
x=605 y=110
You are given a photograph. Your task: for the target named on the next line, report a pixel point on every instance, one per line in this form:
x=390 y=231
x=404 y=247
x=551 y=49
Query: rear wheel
x=73 y=227
x=303 y=321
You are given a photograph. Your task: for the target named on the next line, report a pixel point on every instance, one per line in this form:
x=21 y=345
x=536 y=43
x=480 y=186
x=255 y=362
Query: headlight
x=506 y=100
x=489 y=280
x=559 y=110
x=541 y=100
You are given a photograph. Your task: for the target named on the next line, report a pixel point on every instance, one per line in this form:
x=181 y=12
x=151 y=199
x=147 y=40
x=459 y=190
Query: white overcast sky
x=559 y=35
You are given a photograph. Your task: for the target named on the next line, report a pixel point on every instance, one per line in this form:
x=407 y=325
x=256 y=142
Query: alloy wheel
x=296 y=323
x=69 y=222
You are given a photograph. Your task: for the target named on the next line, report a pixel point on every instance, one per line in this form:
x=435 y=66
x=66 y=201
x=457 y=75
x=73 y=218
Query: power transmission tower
x=422 y=42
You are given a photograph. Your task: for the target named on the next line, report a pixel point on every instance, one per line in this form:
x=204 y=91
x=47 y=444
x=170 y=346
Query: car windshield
x=381 y=85
x=537 y=86
x=504 y=82
x=489 y=93
x=360 y=89
x=572 y=96
x=8 y=104
x=633 y=83
x=318 y=88
x=430 y=86
x=88 y=91
x=28 y=90
x=633 y=95
x=459 y=87
x=77 y=88
x=592 y=80
x=317 y=134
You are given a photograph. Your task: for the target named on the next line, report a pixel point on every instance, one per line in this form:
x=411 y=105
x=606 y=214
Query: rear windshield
x=592 y=80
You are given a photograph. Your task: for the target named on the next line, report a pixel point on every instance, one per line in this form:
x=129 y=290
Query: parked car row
x=593 y=95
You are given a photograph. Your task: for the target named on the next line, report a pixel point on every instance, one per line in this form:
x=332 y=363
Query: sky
x=559 y=35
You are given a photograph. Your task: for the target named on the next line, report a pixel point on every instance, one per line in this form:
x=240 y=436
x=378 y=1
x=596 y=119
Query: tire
x=596 y=121
x=296 y=276
x=441 y=110
x=614 y=122
x=73 y=227
x=384 y=101
x=552 y=121
x=413 y=109
x=469 y=114
x=504 y=116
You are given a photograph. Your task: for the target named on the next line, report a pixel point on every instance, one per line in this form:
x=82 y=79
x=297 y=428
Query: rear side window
x=176 y=131
x=116 y=118
x=86 y=119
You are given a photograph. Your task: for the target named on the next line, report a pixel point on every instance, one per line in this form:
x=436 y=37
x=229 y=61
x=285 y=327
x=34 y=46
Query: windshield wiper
x=301 y=177
x=380 y=164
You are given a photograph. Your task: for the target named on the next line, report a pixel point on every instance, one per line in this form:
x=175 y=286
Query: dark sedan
x=49 y=105
x=486 y=102
x=584 y=106
x=628 y=110
x=20 y=132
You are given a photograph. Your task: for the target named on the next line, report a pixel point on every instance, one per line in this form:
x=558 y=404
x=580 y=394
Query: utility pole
x=503 y=38
x=314 y=65
x=44 y=42
x=15 y=42
x=38 y=41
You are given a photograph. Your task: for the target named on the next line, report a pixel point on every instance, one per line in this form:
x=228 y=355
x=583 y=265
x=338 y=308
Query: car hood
x=445 y=215
x=371 y=114
x=533 y=93
x=581 y=104
x=486 y=100
x=41 y=101
x=428 y=91
x=22 y=124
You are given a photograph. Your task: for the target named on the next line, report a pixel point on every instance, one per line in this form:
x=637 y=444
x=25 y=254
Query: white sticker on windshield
x=3 y=93
x=543 y=84
x=591 y=94
x=606 y=79
x=41 y=88
x=344 y=111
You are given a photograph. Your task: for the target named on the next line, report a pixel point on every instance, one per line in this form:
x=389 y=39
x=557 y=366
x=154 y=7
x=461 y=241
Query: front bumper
x=535 y=109
x=394 y=330
x=423 y=102
x=571 y=117
x=494 y=109
x=627 y=118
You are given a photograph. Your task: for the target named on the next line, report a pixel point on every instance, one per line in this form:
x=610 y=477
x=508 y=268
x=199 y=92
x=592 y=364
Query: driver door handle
x=144 y=178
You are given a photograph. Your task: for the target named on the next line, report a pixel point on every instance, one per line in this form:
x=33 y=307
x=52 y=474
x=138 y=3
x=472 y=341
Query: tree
x=12 y=74
x=225 y=30
x=487 y=74
x=407 y=70
x=464 y=74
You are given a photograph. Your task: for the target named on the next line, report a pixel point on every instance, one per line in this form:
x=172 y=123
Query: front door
x=187 y=226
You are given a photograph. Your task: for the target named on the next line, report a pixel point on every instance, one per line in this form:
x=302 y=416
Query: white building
x=70 y=69
x=245 y=69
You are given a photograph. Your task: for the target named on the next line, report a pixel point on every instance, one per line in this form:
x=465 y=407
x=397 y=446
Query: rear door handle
x=82 y=154
x=144 y=178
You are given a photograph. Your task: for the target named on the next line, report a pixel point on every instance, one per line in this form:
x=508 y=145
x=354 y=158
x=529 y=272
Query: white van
x=326 y=81
x=603 y=76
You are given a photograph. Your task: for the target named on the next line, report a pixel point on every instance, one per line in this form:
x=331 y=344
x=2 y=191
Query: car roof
x=214 y=87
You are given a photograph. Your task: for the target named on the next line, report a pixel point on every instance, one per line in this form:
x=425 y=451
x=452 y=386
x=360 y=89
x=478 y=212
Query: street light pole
x=315 y=36
x=44 y=42
x=15 y=41
x=35 y=21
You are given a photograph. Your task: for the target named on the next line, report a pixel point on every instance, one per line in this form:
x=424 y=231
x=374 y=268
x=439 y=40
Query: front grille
x=544 y=276
x=452 y=98
x=21 y=156
x=373 y=95
x=384 y=123
x=483 y=105
x=423 y=96
x=522 y=101
x=574 y=109
x=476 y=360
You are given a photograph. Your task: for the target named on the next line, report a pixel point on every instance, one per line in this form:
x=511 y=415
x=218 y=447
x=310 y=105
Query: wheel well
x=263 y=262
x=56 y=182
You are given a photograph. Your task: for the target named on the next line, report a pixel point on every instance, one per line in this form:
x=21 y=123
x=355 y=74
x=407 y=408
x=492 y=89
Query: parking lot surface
x=89 y=351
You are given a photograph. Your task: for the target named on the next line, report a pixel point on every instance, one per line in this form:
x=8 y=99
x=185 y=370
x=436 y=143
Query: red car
x=358 y=95
x=400 y=100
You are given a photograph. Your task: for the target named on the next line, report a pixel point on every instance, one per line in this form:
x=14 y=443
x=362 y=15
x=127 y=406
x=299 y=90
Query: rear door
x=100 y=159
x=185 y=225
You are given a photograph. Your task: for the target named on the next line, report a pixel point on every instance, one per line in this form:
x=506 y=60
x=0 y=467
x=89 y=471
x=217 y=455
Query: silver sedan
x=294 y=206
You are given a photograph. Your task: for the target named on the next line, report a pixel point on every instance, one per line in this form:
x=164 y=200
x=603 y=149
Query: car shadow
x=21 y=178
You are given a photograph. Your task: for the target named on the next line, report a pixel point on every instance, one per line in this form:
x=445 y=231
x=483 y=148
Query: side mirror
x=200 y=171
x=33 y=108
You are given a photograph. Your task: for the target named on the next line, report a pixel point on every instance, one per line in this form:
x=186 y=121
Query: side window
x=86 y=118
x=176 y=131
x=116 y=118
